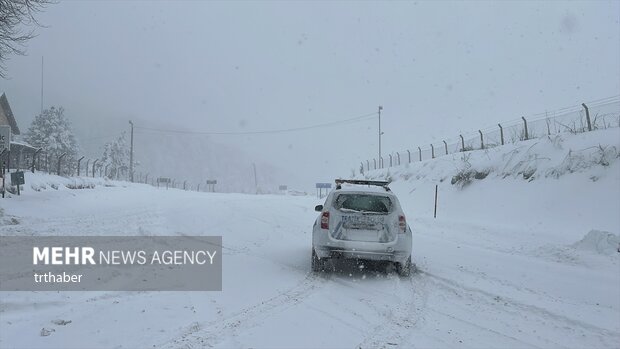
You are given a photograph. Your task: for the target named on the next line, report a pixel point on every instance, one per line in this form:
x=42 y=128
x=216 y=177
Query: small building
x=21 y=153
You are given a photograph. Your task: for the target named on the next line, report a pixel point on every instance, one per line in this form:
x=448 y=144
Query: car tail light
x=325 y=220
x=402 y=223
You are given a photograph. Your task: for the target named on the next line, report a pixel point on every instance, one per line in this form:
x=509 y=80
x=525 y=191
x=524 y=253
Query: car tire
x=317 y=264
x=404 y=269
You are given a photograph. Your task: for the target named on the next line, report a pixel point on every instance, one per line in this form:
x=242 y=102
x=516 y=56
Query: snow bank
x=600 y=242
x=558 y=187
x=39 y=181
x=550 y=157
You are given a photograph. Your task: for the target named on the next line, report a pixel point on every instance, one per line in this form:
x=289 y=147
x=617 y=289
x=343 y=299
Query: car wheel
x=404 y=269
x=317 y=265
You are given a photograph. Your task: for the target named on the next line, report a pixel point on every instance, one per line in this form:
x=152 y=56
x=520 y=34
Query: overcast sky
x=438 y=69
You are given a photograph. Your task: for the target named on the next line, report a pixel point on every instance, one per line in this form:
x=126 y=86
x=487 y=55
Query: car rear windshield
x=363 y=203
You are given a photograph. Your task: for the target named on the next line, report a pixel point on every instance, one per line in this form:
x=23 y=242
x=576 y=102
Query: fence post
x=105 y=171
x=398 y=156
x=184 y=182
x=78 y=167
x=462 y=143
x=501 y=133
x=587 y=116
x=59 y=160
x=146 y=179
x=381 y=162
x=525 y=128
x=409 y=154
x=390 y=159
x=94 y=163
x=362 y=168
x=481 y=140
x=446 y=146
x=367 y=165
x=420 y=152
x=198 y=187
x=432 y=151
x=375 y=162
x=435 y=212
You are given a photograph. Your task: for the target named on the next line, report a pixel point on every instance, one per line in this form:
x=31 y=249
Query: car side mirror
x=318 y=208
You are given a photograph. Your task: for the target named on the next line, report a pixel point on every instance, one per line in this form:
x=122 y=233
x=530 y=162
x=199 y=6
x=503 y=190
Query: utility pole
x=255 y=180
x=131 y=154
x=380 y=109
x=41 y=84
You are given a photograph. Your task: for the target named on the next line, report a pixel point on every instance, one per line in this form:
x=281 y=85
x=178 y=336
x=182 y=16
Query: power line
x=327 y=124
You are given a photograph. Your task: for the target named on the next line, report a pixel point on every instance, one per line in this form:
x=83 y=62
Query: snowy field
x=520 y=258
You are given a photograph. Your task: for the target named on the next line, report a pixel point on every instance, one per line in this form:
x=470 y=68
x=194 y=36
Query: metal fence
x=595 y=115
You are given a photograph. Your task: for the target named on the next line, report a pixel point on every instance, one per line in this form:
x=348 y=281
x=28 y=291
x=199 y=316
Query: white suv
x=361 y=220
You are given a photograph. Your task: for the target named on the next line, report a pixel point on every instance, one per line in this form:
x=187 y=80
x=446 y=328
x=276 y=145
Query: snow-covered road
x=477 y=285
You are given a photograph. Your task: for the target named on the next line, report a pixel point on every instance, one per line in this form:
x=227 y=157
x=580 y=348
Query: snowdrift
x=40 y=181
x=600 y=242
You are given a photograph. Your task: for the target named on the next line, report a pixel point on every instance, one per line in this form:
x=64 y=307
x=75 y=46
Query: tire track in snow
x=200 y=335
x=526 y=313
x=111 y=222
x=400 y=319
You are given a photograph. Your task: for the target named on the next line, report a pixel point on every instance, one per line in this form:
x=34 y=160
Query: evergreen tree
x=116 y=155
x=51 y=131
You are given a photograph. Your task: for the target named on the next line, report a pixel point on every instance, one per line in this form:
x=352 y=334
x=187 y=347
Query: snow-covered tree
x=116 y=155
x=51 y=131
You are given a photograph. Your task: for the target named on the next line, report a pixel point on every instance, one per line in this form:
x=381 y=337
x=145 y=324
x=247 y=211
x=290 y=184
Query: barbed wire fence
x=595 y=115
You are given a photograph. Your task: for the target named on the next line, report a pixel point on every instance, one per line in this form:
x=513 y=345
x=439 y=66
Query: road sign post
x=163 y=180
x=5 y=138
x=211 y=184
x=320 y=187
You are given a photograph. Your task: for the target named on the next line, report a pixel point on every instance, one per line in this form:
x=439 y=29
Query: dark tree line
x=16 y=27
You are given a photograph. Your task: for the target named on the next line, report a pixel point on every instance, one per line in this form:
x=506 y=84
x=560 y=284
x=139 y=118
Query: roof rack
x=383 y=184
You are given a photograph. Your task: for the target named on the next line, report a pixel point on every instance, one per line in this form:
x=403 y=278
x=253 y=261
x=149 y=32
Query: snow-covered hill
x=569 y=183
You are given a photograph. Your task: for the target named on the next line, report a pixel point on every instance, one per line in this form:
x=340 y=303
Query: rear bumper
x=398 y=250
x=340 y=253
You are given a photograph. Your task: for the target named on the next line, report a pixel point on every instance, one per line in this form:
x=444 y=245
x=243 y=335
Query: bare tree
x=15 y=17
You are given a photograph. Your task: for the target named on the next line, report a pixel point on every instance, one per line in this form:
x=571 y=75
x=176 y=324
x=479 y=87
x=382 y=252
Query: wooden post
x=587 y=116
x=481 y=140
x=446 y=146
x=525 y=128
x=420 y=152
x=375 y=162
x=409 y=153
x=432 y=151
x=435 y=213
x=390 y=160
x=462 y=143
x=501 y=133
x=398 y=156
